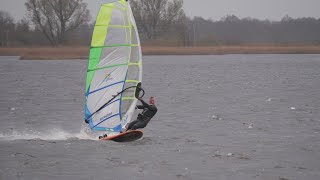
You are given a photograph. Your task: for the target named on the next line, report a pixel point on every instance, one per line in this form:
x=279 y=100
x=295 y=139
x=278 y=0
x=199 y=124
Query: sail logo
x=108 y=77
x=105 y=117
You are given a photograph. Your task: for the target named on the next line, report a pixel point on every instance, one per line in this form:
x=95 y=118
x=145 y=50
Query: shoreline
x=82 y=52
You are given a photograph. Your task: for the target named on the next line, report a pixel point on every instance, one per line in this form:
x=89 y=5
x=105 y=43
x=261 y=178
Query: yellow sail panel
x=101 y=28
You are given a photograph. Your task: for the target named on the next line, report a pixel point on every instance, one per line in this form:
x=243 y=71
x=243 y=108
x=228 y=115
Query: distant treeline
x=160 y=22
x=24 y=33
x=235 y=31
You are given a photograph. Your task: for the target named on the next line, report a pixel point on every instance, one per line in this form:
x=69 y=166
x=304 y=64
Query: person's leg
x=132 y=123
x=139 y=125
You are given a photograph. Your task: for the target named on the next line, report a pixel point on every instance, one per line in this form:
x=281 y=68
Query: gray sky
x=215 y=9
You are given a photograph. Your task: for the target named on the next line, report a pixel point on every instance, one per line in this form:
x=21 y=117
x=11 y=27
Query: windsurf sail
x=114 y=68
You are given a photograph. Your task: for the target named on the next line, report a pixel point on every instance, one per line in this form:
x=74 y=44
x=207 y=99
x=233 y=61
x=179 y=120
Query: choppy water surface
x=220 y=117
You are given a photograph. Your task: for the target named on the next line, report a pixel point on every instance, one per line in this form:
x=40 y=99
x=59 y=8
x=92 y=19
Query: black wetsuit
x=143 y=118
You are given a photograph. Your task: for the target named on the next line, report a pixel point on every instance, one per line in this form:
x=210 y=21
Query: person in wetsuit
x=144 y=118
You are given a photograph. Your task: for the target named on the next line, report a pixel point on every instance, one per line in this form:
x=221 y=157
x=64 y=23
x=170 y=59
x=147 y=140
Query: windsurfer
x=147 y=114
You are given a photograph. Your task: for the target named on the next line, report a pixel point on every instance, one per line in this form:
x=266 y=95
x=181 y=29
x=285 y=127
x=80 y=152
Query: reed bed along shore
x=82 y=52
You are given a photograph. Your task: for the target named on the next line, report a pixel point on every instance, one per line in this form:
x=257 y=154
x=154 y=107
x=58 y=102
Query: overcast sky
x=215 y=9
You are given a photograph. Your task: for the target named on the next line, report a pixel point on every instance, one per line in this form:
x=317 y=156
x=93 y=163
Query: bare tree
x=56 y=18
x=23 y=32
x=184 y=30
x=173 y=12
x=6 y=26
x=23 y=26
x=154 y=15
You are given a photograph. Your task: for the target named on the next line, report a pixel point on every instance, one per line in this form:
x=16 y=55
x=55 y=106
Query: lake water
x=226 y=117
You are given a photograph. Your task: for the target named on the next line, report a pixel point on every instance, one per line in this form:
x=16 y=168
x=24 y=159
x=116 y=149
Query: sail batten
x=116 y=45
x=115 y=65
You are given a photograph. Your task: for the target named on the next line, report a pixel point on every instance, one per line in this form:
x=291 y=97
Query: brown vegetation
x=220 y=50
x=38 y=53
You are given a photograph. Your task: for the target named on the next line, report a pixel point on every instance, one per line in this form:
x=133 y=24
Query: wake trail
x=52 y=135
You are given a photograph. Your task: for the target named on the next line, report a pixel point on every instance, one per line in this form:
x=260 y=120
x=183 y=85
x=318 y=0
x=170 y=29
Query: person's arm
x=145 y=105
x=140 y=107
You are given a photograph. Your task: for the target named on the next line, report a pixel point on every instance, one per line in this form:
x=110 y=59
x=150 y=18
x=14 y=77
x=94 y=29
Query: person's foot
x=87 y=121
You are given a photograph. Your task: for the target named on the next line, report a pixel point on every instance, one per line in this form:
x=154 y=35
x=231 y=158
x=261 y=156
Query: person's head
x=152 y=100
